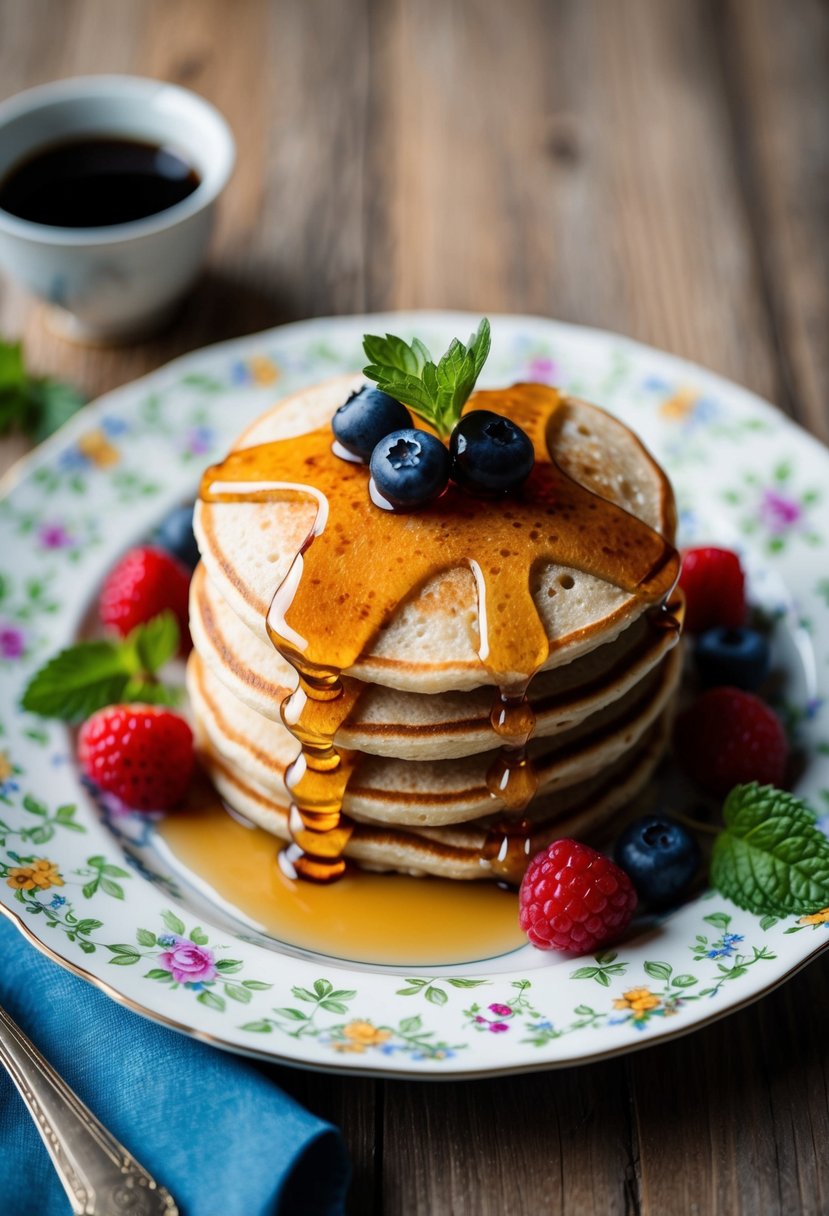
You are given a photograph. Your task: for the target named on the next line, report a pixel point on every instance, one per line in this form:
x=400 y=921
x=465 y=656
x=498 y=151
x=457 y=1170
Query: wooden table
x=657 y=167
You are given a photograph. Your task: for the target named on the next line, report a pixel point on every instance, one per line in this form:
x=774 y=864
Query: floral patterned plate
x=101 y=902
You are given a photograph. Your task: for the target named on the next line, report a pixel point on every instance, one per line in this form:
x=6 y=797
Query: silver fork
x=98 y=1174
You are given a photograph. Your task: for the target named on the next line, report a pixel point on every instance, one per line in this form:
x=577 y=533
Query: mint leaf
x=12 y=385
x=150 y=692
x=409 y=389
x=12 y=370
x=36 y=405
x=77 y=681
x=51 y=403
x=479 y=344
x=84 y=678
x=771 y=858
x=394 y=353
x=436 y=392
x=156 y=642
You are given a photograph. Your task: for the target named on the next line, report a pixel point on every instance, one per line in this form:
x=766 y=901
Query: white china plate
x=108 y=909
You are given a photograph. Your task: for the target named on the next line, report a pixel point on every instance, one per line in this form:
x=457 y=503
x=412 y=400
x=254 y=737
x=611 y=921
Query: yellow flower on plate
x=46 y=874
x=41 y=873
x=680 y=405
x=640 y=1000
x=95 y=446
x=6 y=769
x=263 y=370
x=363 y=1034
x=21 y=878
x=816 y=918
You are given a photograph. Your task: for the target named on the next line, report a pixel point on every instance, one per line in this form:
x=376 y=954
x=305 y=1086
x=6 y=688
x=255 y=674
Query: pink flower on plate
x=54 y=536
x=779 y=513
x=12 y=641
x=501 y=1011
x=189 y=963
x=498 y=1027
x=542 y=369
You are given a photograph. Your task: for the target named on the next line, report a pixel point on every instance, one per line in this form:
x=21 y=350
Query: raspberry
x=729 y=737
x=574 y=899
x=142 y=754
x=714 y=586
x=145 y=582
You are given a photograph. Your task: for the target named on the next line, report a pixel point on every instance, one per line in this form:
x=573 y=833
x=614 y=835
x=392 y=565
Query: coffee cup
x=110 y=282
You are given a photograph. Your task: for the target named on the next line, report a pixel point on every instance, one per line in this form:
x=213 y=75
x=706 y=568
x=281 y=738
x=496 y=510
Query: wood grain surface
x=655 y=167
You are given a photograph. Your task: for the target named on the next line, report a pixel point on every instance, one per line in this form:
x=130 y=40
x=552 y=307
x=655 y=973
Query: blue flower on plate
x=72 y=460
x=112 y=427
x=726 y=947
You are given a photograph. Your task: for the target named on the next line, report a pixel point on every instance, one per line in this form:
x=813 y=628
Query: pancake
x=410 y=726
x=430 y=645
x=584 y=811
x=405 y=792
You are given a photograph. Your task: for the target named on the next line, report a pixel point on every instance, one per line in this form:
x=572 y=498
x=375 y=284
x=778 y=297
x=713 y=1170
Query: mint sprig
x=436 y=392
x=86 y=677
x=771 y=857
x=35 y=405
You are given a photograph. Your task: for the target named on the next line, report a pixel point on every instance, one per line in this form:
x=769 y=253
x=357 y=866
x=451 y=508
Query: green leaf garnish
x=771 y=858
x=436 y=392
x=155 y=643
x=35 y=405
x=86 y=677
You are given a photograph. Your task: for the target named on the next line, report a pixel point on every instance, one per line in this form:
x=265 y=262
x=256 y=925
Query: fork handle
x=98 y=1174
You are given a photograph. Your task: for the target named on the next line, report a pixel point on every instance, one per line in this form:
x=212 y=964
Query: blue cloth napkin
x=213 y=1128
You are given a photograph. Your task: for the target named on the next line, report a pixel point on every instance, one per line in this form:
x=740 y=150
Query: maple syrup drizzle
x=369 y=561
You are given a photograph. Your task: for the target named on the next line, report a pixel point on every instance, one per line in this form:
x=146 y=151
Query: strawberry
x=714 y=586
x=142 y=754
x=729 y=737
x=145 y=582
x=574 y=899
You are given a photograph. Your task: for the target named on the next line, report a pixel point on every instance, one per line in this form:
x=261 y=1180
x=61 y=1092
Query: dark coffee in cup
x=95 y=182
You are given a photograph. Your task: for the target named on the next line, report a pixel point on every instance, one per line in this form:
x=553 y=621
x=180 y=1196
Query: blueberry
x=175 y=534
x=490 y=453
x=366 y=418
x=660 y=857
x=409 y=468
x=735 y=656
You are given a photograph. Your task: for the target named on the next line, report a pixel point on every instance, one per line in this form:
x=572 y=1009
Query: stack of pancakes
x=419 y=795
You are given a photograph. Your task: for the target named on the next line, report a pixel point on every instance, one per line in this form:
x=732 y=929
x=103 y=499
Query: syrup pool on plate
x=387 y=919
